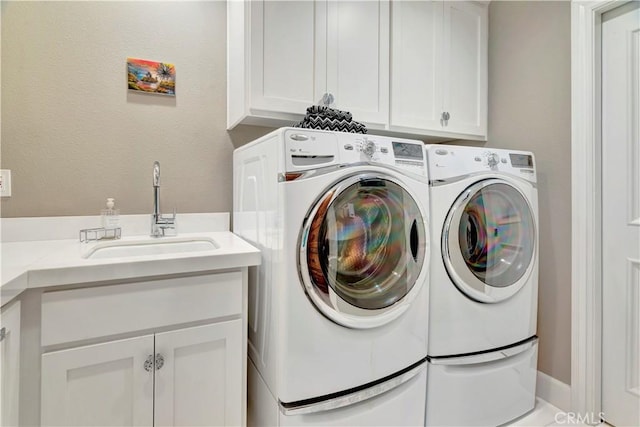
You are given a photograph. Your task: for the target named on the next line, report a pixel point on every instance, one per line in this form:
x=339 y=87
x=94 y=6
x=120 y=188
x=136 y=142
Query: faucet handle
x=170 y=225
x=169 y=220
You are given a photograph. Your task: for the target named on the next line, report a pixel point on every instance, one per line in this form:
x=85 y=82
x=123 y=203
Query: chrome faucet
x=160 y=226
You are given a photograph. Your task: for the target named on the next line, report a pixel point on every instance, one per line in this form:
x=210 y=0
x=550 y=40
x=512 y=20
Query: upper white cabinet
x=439 y=68
x=358 y=59
x=409 y=67
x=284 y=56
x=416 y=67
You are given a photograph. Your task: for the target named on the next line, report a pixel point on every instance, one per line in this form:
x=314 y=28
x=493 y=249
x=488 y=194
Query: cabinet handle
x=159 y=361
x=3 y=333
x=148 y=364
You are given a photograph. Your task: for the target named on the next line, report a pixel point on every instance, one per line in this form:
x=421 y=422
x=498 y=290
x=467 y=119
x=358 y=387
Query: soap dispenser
x=110 y=216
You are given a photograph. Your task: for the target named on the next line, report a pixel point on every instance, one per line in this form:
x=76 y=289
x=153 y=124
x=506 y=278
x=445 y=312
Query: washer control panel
x=310 y=149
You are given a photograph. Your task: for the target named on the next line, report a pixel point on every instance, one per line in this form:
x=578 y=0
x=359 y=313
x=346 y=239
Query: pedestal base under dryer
x=487 y=389
x=403 y=405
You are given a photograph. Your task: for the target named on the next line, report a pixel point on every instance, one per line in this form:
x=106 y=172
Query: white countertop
x=46 y=263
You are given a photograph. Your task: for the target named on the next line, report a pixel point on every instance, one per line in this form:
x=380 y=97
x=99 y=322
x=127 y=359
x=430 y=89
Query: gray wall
x=73 y=135
x=530 y=109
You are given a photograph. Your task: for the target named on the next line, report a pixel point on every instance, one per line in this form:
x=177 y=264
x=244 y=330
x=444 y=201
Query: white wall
x=72 y=133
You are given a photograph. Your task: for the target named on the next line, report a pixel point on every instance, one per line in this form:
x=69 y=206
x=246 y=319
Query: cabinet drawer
x=82 y=314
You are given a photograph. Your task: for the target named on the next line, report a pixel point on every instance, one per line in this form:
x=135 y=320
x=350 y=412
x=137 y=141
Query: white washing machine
x=338 y=307
x=483 y=286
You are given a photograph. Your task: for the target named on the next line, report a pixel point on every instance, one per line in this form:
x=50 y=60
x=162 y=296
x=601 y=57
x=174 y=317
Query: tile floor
x=547 y=415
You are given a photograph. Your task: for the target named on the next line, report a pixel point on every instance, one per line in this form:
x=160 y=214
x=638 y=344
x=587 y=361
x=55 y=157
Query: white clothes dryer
x=338 y=307
x=483 y=286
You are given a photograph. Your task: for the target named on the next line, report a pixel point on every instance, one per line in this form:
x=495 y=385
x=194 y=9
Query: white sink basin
x=147 y=247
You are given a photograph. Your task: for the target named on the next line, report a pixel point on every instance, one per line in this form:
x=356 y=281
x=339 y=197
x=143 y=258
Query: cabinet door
x=103 y=384
x=201 y=380
x=358 y=58
x=288 y=49
x=10 y=363
x=416 y=72
x=465 y=67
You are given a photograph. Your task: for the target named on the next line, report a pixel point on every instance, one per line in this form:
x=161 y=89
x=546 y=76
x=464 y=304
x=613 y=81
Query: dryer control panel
x=447 y=161
x=310 y=149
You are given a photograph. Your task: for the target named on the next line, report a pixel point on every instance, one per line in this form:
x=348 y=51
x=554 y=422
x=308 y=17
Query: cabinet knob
x=159 y=361
x=148 y=363
x=327 y=99
x=152 y=363
x=444 y=118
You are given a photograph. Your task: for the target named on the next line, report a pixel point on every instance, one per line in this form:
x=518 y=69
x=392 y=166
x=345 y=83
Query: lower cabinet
x=10 y=363
x=104 y=384
x=186 y=377
x=200 y=383
x=166 y=352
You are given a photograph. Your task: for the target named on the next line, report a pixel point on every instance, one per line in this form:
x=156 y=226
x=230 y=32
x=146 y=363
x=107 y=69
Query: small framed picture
x=151 y=76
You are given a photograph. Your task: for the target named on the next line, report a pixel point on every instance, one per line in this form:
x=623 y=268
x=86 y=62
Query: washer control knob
x=368 y=148
x=493 y=159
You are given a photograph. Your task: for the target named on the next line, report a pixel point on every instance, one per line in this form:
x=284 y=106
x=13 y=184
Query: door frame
x=586 y=205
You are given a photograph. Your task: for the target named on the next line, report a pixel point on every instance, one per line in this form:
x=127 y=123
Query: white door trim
x=586 y=197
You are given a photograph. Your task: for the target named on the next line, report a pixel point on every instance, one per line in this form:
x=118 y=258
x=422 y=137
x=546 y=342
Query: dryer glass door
x=489 y=241
x=362 y=249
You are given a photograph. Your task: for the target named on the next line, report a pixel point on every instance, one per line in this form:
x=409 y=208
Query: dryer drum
x=496 y=235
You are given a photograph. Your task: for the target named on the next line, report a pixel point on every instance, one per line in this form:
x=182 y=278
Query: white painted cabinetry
x=10 y=363
x=193 y=377
x=171 y=353
x=102 y=384
x=201 y=382
x=417 y=69
x=439 y=68
x=284 y=56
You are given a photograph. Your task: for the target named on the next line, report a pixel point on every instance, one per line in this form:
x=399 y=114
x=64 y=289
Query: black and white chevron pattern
x=322 y=117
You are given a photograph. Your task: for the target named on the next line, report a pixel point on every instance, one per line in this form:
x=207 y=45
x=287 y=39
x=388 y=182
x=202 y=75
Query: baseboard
x=553 y=391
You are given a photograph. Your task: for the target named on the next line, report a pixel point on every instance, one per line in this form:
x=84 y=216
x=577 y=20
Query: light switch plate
x=5 y=182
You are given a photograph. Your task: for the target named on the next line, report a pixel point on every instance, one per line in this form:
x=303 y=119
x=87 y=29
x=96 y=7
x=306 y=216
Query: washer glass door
x=489 y=241
x=362 y=249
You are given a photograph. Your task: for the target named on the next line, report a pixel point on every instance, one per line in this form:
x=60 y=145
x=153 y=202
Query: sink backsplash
x=68 y=227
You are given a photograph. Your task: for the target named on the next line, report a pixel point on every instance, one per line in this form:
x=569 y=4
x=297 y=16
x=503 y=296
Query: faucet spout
x=160 y=226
